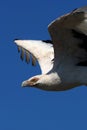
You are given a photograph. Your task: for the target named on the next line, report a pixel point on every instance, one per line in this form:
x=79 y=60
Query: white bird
x=63 y=60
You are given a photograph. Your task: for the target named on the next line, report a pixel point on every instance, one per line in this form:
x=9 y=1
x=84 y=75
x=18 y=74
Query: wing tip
x=16 y=40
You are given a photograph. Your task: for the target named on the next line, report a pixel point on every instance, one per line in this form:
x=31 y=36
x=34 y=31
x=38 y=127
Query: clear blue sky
x=33 y=109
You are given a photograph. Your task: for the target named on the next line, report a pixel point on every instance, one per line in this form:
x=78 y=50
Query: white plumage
x=40 y=51
x=63 y=60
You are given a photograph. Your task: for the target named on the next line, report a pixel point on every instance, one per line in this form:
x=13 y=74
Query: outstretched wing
x=39 y=50
x=69 y=35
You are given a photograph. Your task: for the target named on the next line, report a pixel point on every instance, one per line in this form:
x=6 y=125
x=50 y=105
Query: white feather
x=42 y=51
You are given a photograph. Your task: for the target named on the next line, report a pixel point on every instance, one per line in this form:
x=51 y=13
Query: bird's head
x=42 y=81
x=31 y=82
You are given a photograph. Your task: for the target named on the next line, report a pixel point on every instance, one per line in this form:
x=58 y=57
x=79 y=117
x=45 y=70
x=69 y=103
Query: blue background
x=30 y=108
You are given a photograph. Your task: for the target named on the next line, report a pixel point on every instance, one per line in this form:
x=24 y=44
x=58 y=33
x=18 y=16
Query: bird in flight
x=63 y=59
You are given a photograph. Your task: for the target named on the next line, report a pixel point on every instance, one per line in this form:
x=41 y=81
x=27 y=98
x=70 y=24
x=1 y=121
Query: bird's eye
x=34 y=79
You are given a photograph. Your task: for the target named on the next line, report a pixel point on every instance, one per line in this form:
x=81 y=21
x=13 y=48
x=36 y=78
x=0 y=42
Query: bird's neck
x=49 y=81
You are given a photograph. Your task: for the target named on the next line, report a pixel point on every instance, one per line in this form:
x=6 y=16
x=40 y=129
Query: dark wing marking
x=25 y=54
x=22 y=54
x=27 y=57
x=19 y=48
x=81 y=45
x=82 y=37
x=48 y=41
x=33 y=60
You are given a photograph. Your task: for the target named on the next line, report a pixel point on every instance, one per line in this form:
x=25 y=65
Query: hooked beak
x=26 y=83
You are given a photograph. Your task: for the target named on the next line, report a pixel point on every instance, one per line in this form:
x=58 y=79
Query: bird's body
x=63 y=60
